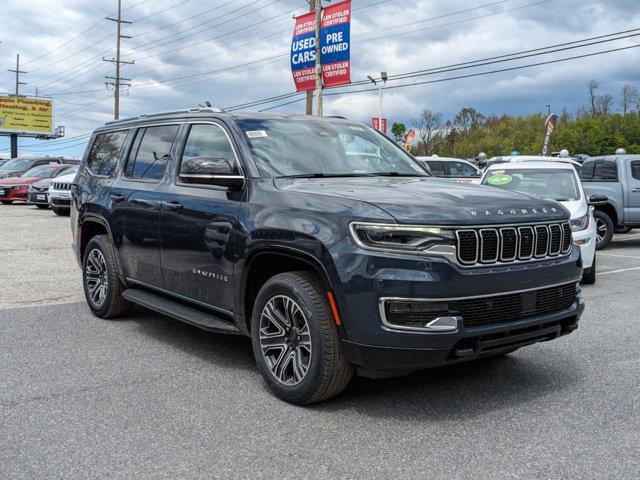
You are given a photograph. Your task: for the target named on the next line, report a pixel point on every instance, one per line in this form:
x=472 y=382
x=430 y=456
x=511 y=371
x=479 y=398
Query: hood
x=66 y=178
x=13 y=181
x=42 y=184
x=434 y=201
x=576 y=208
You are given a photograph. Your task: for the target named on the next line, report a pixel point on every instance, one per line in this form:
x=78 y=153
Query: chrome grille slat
x=481 y=246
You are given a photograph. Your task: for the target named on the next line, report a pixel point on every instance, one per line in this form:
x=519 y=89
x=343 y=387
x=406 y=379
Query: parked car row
x=44 y=182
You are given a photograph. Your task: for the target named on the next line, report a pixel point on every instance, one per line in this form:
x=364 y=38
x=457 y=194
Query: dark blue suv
x=322 y=240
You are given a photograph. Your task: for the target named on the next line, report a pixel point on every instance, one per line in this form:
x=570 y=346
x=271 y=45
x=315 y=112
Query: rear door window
x=605 y=171
x=103 y=155
x=151 y=152
x=635 y=169
x=437 y=168
x=460 y=169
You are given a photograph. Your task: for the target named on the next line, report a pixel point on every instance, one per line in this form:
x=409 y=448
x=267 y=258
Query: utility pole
x=14 y=136
x=319 y=86
x=312 y=8
x=117 y=62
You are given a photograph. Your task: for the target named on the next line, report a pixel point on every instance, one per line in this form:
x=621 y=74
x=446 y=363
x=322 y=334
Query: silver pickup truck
x=612 y=185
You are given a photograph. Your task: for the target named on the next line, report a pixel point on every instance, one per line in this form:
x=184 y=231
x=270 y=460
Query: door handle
x=636 y=189
x=117 y=197
x=139 y=202
x=171 y=206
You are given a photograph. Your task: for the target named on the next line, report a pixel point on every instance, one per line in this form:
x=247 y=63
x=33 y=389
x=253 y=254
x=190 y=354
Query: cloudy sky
x=236 y=51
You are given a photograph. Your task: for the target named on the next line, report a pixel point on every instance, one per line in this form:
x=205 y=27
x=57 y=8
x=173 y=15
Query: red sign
x=335 y=44
x=303 y=52
x=375 y=122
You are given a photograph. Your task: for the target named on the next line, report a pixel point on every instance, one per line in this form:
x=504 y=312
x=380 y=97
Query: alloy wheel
x=96 y=279
x=601 y=230
x=285 y=340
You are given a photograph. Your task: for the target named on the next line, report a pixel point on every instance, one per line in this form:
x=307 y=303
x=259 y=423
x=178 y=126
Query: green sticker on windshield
x=501 y=179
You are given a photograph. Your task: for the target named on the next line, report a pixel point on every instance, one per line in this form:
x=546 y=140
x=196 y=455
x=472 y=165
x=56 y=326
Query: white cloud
x=33 y=28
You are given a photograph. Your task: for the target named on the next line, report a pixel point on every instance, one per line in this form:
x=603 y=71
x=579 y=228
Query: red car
x=14 y=189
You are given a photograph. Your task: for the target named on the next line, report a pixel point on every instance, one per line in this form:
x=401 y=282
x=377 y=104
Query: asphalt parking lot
x=149 y=397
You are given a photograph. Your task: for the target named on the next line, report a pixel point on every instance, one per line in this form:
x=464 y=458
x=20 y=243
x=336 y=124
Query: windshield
x=559 y=185
x=44 y=171
x=66 y=171
x=294 y=147
x=15 y=165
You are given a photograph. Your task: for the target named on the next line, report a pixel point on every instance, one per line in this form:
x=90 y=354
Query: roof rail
x=171 y=112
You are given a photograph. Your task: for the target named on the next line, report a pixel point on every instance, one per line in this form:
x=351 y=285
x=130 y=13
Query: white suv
x=60 y=192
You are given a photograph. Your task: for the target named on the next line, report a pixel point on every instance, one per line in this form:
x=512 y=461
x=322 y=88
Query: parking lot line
x=617 y=255
x=618 y=271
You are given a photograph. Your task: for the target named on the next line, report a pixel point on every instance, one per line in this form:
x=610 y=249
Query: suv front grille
x=61 y=186
x=487 y=246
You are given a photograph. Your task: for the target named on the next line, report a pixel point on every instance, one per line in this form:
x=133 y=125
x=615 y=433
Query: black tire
x=6 y=202
x=589 y=275
x=63 y=212
x=605 y=228
x=41 y=206
x=328 y=372
x=622 y=230
x=112 y=304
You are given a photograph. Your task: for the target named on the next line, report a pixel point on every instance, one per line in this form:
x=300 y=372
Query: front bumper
x=16 y=195
x=586 y=239
x=366 y=277
x=60 y=199
x=463 y=345
x=38 y=198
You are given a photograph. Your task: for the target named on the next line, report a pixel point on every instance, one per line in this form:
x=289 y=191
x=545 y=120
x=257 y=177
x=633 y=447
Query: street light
x=379 y=84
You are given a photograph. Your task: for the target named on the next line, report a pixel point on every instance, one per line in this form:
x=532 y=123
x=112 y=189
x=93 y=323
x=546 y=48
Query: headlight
x=406 y=238
x=580 y=224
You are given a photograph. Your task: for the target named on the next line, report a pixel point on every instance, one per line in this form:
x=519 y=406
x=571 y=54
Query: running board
x=180 y=312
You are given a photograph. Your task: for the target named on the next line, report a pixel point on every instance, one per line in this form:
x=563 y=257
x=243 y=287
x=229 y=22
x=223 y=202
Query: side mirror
x=209 y=171
x=597 y=199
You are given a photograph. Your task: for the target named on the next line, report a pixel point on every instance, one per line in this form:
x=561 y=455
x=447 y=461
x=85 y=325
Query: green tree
x=399 y=131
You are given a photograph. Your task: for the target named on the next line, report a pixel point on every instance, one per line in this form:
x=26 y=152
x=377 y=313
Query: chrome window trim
x=511 y=259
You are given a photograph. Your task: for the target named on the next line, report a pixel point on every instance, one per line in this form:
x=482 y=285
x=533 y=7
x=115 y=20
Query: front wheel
x=63 y=212
x=6 y=202
x=42 y=206
x=604 y=229
x=295 y=340
x=102 y=286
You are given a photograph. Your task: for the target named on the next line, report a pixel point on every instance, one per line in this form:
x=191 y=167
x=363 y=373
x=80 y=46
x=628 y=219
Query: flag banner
x=549 y=127
x=375 y=122
x=335 y=44
x=411 y=134
x=303 y=52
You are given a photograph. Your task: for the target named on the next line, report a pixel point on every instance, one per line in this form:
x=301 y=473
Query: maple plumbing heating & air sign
x=335 y=48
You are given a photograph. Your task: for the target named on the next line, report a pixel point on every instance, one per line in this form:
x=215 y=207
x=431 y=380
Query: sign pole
x=318 y=6
x=309 y=111
x=14 y=136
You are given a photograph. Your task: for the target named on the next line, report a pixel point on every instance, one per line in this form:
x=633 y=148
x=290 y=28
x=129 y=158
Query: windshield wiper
x=337 y=175
x=325 y=175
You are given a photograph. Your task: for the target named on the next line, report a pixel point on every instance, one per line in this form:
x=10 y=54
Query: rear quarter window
x=103 y=155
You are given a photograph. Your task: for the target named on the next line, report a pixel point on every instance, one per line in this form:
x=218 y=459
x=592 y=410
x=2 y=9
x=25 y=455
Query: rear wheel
x=604 y=229
x=102 y=286
x=622 y=230
x=42 y=206
x=589 y=275
x=6 y=202
x=295 y=340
